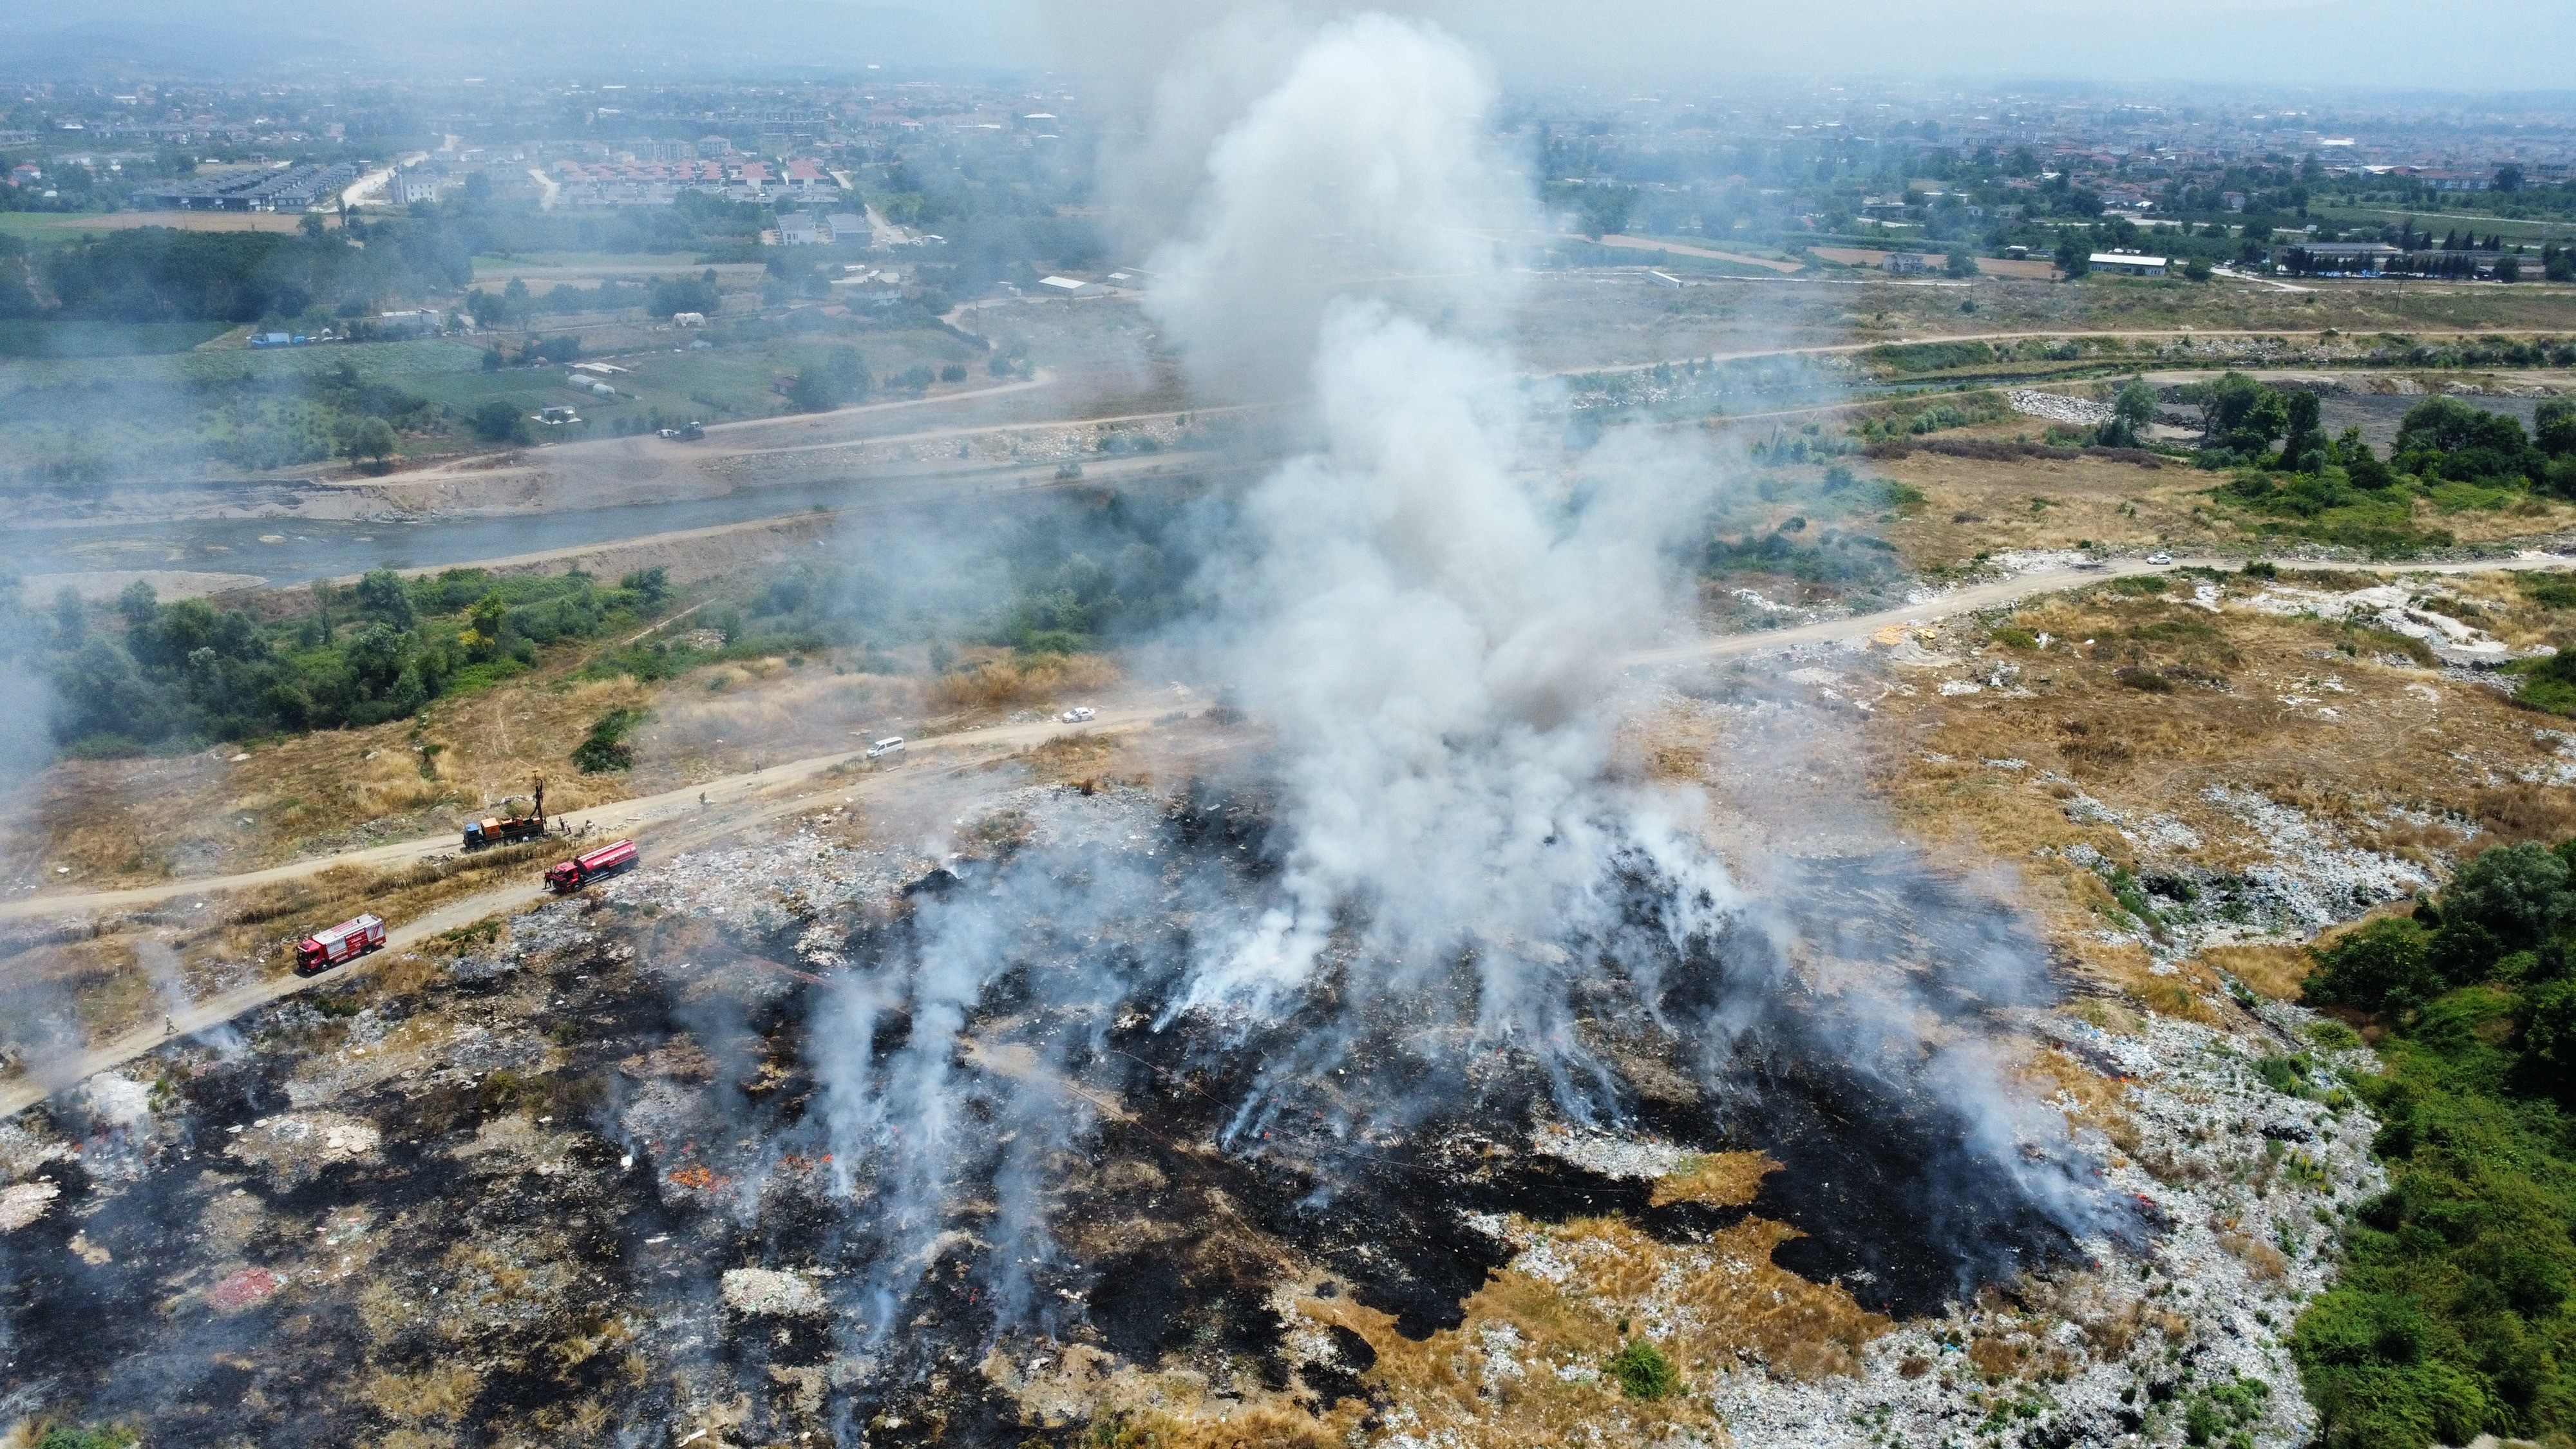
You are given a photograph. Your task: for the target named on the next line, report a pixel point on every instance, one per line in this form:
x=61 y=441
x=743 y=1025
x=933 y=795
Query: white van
x=1079 y=714
x=890 y=745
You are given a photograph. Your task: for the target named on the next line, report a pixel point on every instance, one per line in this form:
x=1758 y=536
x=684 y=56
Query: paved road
x=745 y=435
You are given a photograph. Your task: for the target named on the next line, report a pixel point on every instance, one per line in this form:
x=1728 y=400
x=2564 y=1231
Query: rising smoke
x=1427 y=610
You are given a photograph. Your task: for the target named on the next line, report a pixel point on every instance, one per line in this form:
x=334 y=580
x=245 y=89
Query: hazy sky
x=2328 y=43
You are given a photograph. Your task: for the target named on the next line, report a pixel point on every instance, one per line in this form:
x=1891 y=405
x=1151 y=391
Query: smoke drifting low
x=1458 y=888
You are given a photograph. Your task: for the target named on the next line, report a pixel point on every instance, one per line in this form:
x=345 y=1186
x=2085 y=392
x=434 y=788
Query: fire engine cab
x=581 y=870
x=346 y=941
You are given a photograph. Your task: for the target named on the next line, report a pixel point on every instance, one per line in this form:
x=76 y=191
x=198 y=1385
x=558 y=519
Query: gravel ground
x=2239 y=1173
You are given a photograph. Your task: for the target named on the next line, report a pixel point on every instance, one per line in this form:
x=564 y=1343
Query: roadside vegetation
x=146 y=674
x=2448 y=458
x=2452 y=1317
x=143 y=675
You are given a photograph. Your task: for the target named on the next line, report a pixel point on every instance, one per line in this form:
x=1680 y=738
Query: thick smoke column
x=1427 y=613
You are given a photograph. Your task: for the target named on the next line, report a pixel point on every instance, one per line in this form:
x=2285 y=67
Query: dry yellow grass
x=2273 y=971
x=1007 y=681
x=1973 y=505
x=441 y=1393
x=116 y=822
x=1526 y=1366
x=2374 y=755
x=118 y=974
x=2089 y=1096
x=1719 y=1179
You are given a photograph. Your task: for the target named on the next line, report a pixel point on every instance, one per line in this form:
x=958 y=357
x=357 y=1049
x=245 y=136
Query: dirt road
x=649 y=811
x=669 y=823
x=623 y=817
x=685 y=819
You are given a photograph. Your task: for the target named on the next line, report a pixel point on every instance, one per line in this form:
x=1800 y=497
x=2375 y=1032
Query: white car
x=1079 y=714
x=2160 y=559
x=890 y=745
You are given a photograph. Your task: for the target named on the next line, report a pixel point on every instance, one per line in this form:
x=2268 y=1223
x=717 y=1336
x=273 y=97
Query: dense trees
x=2451 y=1316
x=153 y=274
x=375 y=651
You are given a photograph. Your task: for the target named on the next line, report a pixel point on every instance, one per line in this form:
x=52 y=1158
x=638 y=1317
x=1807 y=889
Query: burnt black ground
x=1361 y=1173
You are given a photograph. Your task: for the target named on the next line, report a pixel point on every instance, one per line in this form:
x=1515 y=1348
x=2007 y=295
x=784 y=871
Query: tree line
x=156 y=274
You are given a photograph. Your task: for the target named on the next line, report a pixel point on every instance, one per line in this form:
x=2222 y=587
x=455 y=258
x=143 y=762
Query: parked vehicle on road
x=1079 y=714
x=502 y=830
x=890 y=745
x=344 y=942
x=508 y=829
x=565 y=877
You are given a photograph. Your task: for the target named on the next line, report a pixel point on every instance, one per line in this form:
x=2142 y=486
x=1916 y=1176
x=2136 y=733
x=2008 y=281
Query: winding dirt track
x=674 y=821
x=687 y=818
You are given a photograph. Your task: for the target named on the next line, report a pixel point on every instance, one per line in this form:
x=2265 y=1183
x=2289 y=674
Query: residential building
x=417 y=184
x=289 y=188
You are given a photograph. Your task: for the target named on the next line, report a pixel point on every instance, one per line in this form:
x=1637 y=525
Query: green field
x=69 y=421
x=104 y=339
x=387 y=361
x=2533 y=232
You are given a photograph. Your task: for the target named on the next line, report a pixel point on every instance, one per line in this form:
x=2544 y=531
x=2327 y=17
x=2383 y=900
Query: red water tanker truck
x=581 y=870
x=346 y=941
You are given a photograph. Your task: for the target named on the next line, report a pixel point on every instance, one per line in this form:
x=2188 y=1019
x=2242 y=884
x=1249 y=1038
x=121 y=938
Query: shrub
x=814 y=390
x=1643 y=1371
x=498 y=421
x=605 y=747
x=2516 y=892
x=2364 y=968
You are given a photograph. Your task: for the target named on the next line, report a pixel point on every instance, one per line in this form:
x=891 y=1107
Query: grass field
x=546 y=271
x=99 y=415
x=42 y=227
x=104 y=339
x=2484 y=225
x=402 y=361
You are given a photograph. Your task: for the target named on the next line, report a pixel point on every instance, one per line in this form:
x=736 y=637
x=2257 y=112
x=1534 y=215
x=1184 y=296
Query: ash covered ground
x=632 y=1172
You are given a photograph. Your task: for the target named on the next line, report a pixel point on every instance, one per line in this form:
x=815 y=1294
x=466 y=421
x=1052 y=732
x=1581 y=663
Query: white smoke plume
x=1427 y=611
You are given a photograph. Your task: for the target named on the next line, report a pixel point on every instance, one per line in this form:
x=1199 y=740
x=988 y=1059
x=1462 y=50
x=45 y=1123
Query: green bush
x=64 y=1436
x=605 y=747
x=2364 y=968
x=1643 y=1371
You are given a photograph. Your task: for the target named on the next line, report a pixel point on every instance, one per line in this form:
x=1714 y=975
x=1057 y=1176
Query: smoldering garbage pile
x=1454 y=922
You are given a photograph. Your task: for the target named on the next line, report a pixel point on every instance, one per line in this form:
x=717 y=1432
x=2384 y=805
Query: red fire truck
x=581 y=870
x=346 y=941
